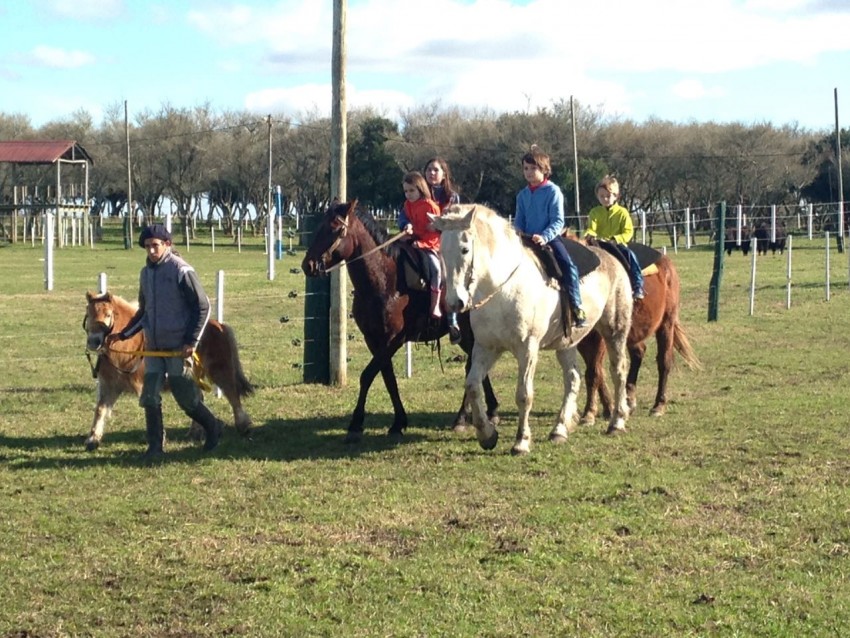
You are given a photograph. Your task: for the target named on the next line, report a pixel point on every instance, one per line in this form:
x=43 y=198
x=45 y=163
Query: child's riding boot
x=155 y=433
x=435 y=304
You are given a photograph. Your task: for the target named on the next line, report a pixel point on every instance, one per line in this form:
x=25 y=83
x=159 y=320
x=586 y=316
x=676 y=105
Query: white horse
x=514 y=307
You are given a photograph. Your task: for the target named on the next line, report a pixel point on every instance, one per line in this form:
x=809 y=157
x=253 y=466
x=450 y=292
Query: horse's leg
x=355 y=426
x=400 y=415
x=527 y=363
x=665 y=341
x=636 y=354
x=569 y=405
x=618 y=357
x=592 y=351
x=485 y=429
x=106 y=396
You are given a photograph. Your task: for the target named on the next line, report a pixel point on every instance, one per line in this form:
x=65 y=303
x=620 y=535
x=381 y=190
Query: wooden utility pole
x=575 y=166
x=841 y=223
x=339 y=143
x=128 y=222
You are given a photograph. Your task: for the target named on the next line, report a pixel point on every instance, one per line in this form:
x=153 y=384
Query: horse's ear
x=352 y=206
x=89 y=296
x=470 y=216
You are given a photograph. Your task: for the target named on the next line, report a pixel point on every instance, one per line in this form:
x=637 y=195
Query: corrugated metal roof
x=42 y=152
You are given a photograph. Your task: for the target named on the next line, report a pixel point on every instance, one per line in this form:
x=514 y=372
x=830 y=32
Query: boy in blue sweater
x=540 y=213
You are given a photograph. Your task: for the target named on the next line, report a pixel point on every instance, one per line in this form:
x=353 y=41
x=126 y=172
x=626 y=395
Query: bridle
x=340 y=235
x=471 y=279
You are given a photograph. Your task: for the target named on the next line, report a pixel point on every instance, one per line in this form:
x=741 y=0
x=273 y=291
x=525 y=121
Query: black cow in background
x=731 y=242
x=763 y=243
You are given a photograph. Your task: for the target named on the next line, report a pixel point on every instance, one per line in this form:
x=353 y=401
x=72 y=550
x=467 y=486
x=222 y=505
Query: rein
x=486 y=299
x=392 y=239
x=199 y=373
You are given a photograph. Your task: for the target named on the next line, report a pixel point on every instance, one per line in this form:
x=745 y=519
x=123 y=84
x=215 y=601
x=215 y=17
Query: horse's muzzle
x=312 y=267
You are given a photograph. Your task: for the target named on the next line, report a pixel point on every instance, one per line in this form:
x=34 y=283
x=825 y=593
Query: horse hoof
x=92 y=445
x=558 y=439
x=353 y=437
x=460 y=428
x=520 y=450
x=587 y=419
x=657 y=411
x=490 y=443
x=395 y=435
x=614 y=430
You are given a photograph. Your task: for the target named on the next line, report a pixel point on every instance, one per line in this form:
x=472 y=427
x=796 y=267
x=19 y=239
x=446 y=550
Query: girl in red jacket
x=416 y=208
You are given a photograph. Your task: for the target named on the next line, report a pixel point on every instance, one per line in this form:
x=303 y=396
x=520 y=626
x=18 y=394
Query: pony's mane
x=117 y=300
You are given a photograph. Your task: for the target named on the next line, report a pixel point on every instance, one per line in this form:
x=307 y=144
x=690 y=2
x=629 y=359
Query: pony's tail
x=243 y=386
x=683 y=347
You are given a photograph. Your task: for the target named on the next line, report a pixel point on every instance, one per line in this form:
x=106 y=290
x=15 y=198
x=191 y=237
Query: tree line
x=663 y=167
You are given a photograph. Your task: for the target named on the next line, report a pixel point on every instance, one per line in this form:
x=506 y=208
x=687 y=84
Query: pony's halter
x=328 y=254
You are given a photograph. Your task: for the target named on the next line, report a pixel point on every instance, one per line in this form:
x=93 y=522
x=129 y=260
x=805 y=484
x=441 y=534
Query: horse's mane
x=378 y=233
x=117 y=300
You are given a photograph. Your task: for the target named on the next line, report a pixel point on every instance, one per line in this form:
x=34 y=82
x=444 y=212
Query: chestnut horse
x=119 y=370
x=657 y=314
x=387 y=317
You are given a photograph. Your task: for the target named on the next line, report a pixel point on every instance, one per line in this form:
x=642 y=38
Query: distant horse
x=657 y=314
x=387 y=317
x=118 y=370
x=731 y=240
x=512 y=307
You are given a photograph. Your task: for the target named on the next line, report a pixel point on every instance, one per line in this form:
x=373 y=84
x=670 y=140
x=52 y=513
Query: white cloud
x=692 y=89
x=60 y=58
x=86 y=9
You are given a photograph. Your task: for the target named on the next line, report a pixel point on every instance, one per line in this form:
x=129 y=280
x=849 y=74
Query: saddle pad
x=584 y=259
x=646 y=255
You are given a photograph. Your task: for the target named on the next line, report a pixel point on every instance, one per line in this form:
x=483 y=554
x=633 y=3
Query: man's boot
x=212 y=426
x=155 y=433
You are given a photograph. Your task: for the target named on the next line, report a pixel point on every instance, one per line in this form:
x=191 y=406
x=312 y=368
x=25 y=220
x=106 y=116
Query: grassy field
x=726 y=517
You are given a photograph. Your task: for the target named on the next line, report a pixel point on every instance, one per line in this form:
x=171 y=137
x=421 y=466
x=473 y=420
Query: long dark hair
x=448 y=192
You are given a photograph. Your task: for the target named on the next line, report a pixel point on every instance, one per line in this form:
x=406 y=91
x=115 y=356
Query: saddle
x=414 y=269
x=584 y=259
x=647 y=256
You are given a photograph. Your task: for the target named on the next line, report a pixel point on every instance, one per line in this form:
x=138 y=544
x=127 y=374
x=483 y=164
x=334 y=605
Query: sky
x=745 y=61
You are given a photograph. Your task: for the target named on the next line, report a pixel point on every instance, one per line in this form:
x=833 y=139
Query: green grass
x=726 y=517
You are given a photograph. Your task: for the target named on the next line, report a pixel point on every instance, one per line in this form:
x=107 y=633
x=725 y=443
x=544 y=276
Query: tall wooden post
x=128 y=222
x=717 y=272
x=841 y=232
x=575 y=166
x=339 y=144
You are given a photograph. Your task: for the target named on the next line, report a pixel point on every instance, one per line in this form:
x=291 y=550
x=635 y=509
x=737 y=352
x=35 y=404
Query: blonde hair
x=539 y=159
x=610 y=184
x=415 y=178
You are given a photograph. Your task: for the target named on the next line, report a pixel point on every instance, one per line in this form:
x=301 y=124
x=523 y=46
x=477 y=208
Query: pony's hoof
x=92 y=445
x=460 y=428
x=353 y=437
x=558 y=439
x=658 y=410
x=520 y=449
x=490 y=442
x=395 y=436
x=616 y=429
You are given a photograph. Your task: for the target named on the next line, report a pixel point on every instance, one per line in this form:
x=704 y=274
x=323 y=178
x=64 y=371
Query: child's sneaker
x=639 y=294
x=579 y=318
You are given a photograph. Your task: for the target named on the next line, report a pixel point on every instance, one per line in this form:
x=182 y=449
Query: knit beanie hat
x=154 y=231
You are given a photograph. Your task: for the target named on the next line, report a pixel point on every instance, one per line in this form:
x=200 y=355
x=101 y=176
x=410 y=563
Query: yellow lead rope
x=199 y=373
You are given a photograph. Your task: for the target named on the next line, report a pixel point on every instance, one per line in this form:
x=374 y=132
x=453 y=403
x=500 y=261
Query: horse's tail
x=683 y=347
x=243 y=386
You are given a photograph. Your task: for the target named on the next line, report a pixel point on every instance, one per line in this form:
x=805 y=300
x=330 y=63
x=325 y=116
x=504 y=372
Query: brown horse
x=119 y=370
x=387 y=317
x=657 y=314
